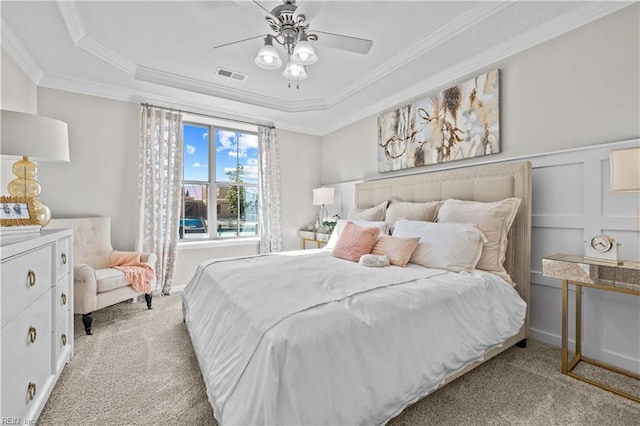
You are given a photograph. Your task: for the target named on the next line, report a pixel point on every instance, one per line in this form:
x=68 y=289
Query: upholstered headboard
x=485 y=183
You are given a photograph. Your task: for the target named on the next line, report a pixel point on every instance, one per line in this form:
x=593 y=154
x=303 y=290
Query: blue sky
x=231 y=149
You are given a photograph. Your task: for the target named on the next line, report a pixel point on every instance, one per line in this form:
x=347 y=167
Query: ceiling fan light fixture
x=294 y=71
x=304 y=54
x=268 y=57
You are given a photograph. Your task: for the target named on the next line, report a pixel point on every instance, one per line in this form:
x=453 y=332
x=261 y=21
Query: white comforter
x=305 y=338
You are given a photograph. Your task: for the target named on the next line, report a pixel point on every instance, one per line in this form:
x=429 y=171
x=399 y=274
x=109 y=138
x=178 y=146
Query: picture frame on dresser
x=17 y=211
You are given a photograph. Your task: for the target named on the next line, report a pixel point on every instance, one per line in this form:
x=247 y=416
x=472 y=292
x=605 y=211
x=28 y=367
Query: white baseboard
x=545 y=337
x=606 y=356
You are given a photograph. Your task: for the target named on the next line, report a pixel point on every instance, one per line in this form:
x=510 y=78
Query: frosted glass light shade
x=294 y=71
x=303 y=54
x=268 y=57
x=625 y=170
x=323 y=196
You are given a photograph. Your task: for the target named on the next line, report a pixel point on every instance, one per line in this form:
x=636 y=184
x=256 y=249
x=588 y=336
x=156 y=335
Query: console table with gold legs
x=580 y=272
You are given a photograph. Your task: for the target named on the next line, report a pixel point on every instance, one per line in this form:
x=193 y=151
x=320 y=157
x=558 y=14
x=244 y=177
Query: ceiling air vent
x=234 y=75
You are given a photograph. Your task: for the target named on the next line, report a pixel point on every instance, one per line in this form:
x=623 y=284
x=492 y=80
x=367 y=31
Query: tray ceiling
x=162 y=52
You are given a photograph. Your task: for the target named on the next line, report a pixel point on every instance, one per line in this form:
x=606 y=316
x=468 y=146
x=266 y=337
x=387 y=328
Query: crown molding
x=561 y=24
x=17 y=51
x=164 y=78
x=75 y=27
x=100 y=51
x=72 y=20
x=240 y=112
x=458 y=26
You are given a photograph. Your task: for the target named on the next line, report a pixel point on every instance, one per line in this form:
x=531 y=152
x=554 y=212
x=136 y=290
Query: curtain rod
x=206 y=115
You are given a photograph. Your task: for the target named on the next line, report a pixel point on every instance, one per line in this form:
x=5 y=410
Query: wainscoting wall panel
x=572 y=203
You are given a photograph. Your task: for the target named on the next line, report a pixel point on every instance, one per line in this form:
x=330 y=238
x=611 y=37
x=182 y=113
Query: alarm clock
x=602 y=248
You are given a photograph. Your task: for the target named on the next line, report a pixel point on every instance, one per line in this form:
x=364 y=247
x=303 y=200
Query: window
x=220 y=183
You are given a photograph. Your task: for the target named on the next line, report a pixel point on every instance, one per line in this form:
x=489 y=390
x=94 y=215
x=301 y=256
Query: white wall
x=300 y=172
x=576 y=90
x=17 y=93
x=101 y=178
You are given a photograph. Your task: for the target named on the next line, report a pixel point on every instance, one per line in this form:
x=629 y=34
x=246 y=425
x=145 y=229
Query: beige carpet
x=139 y=368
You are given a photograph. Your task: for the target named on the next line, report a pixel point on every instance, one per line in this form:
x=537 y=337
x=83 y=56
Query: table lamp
x=28 y=137
x=625 y=170
x=323 y=197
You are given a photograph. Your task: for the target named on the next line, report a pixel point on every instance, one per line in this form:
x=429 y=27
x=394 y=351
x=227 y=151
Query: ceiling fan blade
x=262 y=7
x=344 y=42
x=239 y=41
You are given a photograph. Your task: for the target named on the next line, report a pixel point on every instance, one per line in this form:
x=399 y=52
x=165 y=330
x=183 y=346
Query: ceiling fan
x=291 y=31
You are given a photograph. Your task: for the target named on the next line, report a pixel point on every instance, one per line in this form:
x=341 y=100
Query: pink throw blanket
x=138 y=273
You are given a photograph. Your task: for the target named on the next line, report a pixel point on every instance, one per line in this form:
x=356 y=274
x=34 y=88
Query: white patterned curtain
x=269 y=182
x=160 y=179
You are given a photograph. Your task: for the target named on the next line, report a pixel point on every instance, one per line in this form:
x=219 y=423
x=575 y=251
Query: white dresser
x=36 y=338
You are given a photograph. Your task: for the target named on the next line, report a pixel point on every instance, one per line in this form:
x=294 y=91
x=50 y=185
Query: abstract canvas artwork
x=460 y=122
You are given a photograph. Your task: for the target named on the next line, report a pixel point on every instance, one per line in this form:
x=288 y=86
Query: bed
x=305 y=337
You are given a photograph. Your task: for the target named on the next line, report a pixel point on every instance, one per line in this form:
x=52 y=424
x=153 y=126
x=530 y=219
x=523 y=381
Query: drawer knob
x=64 y=339
x=32 y=278
x=63 y=257
x=32 y=334
x=64 y=298
x=31 y=391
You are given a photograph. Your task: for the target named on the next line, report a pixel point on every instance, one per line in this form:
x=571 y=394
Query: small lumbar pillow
x=372 y=260
x=355 y=241
x=376 y=213
x=454 y=247
x=398 y=249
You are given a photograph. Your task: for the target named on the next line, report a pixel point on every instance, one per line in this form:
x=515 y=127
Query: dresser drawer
x=62 y=301
x=25 y=362
x=62 y=342
x=27 y=401
x=24 y=278
x=63 y=257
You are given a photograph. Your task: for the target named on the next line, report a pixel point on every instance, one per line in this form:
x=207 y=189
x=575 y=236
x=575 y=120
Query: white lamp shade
x=323 y=196
x=625 y=170
x=294 y=71
x=303 y=54
x=33 y=136
x=268 y=58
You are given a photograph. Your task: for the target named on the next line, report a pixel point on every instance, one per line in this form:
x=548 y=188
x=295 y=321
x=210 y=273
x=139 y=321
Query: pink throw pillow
x=398 y=249
x=355 y=241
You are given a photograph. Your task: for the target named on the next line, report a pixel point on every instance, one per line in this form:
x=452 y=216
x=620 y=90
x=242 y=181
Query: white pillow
x=493 y=219
x=451 y=246
x=375 y=214
x=335 y=235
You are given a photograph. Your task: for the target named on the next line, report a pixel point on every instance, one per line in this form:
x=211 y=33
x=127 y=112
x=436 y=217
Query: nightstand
x=318 y=238
x=580 y=272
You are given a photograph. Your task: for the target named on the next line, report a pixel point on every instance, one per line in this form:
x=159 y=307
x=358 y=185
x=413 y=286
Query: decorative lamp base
x=26 y=185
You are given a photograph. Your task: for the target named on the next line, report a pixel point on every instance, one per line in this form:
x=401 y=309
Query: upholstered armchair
x=96 y=284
